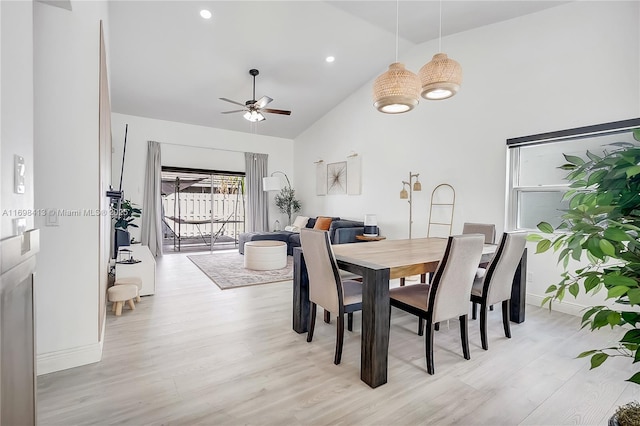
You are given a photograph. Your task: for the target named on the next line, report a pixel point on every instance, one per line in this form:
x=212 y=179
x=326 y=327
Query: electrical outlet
x=529 y=277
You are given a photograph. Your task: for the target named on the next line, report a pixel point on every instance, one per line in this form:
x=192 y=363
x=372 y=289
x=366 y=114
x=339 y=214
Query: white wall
x=16 y=106
x=569 y=66
x=186 y=145
x=66 y=84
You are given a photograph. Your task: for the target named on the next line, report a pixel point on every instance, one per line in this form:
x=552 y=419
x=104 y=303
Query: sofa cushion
x=322 y=223
x=300 y=222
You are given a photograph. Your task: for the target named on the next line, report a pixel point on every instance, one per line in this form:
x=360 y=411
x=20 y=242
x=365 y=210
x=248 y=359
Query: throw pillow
x=300 y=222
x=322 y=223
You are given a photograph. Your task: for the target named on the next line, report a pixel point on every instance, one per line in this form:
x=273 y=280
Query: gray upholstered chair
x=495 y=285
x=326 y=288
x=448 y=294
x=486 y=229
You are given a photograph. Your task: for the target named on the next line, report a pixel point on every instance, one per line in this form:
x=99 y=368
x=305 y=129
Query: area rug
x=227 y=270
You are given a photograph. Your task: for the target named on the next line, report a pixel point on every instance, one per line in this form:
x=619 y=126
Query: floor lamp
x=404 y=195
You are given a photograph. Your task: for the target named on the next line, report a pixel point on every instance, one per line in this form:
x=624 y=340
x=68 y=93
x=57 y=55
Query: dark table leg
x=519 y=290
x=374 y=352
x=300 y=292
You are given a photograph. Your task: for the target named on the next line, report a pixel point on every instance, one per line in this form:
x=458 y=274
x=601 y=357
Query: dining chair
x=326 y=288
x=486 y=229
x=495 y=285
x=447 y=296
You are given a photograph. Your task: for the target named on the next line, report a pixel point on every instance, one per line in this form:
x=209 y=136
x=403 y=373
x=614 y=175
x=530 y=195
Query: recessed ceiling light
x=330 y=59
x=205 y=14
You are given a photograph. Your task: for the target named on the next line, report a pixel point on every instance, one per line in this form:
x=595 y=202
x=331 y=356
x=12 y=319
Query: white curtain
x=151 y=231
x=257 y=199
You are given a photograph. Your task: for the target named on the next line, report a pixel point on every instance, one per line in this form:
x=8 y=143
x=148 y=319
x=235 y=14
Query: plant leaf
x=617 y=291
x=607 y=248
x=634 y=379
x=545 y=227
x=574 y=159
x=598 y=359
x=632 y=171
x=543 y=246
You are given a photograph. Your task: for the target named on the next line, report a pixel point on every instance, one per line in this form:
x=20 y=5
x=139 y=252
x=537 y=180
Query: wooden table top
x=402 y=257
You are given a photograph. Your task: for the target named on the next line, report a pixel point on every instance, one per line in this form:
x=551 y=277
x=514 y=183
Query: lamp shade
x=404 y=194
x=271 y=183
x=440 y=78
x=397 y=90
x=370 y=225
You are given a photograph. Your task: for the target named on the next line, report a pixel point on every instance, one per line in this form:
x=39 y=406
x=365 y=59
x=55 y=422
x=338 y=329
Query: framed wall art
x=337 y=178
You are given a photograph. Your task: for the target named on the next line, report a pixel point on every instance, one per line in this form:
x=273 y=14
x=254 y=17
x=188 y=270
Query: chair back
x=486 y=229
x=325 y=286
x=451 y=285
x=498 y=280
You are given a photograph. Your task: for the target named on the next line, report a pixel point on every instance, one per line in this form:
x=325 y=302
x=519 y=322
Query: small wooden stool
x=131 y=280
x=120 y=294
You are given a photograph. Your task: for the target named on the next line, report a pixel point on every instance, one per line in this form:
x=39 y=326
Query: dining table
x=377 y=262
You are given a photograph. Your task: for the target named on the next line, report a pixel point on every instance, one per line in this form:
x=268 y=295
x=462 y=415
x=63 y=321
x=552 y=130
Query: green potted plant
x=601 y=226
x=287 y=203
x=124 y=218
x=127 y=214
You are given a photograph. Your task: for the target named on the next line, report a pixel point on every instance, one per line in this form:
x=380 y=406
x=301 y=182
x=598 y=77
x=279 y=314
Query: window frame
x=514 y=190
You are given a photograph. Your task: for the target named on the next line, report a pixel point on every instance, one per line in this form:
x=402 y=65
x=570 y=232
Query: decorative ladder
x=443 y=198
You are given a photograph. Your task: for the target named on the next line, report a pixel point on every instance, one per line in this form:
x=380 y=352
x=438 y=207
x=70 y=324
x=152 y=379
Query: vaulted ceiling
x=168 y=63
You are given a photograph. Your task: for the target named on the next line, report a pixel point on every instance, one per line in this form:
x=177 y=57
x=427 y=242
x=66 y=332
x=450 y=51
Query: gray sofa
x=340 y=231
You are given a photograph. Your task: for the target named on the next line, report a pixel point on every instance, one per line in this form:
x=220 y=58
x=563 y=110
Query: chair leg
x=474 y=310
x=483 y=326
x=312 y=321
x=350 y=321
x=464 y=336
x=327 y=316
x=506 y=309
x=402 y=282
x=491 y=308
x=423 y=278
x=428 y=344
x=437 y=326
x=339 y=339
x=420 y=326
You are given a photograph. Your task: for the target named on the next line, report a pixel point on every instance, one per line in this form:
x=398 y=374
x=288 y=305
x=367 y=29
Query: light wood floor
x=193 y=354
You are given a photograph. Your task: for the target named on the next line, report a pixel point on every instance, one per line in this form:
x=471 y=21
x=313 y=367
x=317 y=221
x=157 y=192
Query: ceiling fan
x=253 y=109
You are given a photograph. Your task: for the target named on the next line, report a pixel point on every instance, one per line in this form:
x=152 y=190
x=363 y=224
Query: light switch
x=18 y=174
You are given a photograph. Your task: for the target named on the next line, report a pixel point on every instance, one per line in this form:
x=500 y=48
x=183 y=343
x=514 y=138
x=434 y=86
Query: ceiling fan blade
x=236 y=110
x=263 y=101
x=229 y=100
x=276 y=111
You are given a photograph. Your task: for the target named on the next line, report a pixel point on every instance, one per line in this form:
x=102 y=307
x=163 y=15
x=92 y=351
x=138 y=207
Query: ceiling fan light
x=253 y=116
x=396 y=90
x=440 y=78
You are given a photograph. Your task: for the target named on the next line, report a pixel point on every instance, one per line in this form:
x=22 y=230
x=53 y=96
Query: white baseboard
x=564 y=306
x=73 y=357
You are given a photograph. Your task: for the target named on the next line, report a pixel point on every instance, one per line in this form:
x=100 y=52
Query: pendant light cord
x=397 y=26
x=440 y=30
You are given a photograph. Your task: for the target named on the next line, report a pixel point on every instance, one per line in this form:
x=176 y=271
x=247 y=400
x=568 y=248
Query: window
x=537 y=185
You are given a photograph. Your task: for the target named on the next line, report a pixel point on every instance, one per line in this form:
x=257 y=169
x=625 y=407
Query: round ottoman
x=118 y=294
x=265 y=255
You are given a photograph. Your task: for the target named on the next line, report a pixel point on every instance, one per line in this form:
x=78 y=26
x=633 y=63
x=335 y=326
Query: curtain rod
x=202 y=147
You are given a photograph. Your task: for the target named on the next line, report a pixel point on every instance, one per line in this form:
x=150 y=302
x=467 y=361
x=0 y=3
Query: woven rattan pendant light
x=441 y=77
x=398 y=89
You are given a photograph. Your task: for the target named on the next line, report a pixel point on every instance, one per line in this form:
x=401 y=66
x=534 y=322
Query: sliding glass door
x=202 y=209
